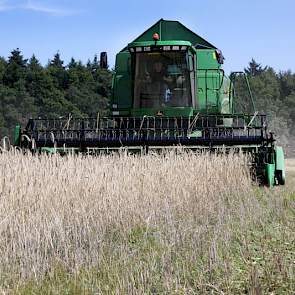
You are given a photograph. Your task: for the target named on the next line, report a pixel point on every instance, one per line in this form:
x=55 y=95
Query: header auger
x=169 y=90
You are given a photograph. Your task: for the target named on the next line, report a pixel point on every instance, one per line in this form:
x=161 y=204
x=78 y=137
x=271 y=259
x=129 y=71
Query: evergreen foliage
x=274 y=95
x=28 y=89
x=254 y=68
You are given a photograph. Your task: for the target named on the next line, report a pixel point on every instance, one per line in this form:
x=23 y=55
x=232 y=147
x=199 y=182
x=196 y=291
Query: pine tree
x=58 y=72
x=56 y=61
x=254 y=68
x=72 y=64
x=3 y=66
x=287 y=83
x=15 y=69
x=36 y=81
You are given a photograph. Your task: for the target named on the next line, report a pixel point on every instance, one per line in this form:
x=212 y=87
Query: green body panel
x=210 y=80
x=62 y=151
x=280 y=161
x=172 y=30
x=122 y=83
x=280 y=165
x=270 y=174
x=167 y=112
x=206 y=59
x=48 y=150
x=17 y=135
x=159 y=43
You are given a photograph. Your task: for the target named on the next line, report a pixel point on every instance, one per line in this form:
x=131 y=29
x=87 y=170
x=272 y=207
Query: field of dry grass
x=290 y=165
x=177 y=224
x=290 y=174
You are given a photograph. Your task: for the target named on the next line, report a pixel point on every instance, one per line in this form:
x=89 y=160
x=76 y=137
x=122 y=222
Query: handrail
x=206 y=84
x=232 y=83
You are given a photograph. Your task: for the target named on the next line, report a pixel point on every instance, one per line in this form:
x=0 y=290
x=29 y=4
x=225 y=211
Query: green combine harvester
x=169 y=90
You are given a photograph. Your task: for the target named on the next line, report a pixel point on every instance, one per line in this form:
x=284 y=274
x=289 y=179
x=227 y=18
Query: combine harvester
x=169 y=90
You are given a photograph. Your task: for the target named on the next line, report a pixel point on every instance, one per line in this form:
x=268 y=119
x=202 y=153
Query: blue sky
x=262 y=29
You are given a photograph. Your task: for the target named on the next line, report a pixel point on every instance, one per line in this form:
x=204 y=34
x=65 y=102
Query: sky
x=242 y=29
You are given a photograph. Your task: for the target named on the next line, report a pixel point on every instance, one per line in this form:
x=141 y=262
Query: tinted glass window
x=162 y=79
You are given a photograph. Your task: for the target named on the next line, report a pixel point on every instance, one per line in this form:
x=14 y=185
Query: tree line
x=274 y=95
x=29 y=89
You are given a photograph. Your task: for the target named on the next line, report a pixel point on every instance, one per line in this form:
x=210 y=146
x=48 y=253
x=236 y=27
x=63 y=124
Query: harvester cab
x=174 y=72
x=168 y=90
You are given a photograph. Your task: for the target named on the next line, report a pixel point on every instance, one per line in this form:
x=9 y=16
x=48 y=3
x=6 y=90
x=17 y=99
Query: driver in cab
x=156 y=86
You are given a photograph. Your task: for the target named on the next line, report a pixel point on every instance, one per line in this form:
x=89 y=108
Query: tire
x=280 y=178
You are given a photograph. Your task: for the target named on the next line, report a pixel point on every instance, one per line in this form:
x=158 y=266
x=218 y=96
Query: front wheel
x=280 y=177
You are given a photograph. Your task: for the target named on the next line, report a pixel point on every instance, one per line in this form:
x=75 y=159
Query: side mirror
x=219 y=56
x=103 y=60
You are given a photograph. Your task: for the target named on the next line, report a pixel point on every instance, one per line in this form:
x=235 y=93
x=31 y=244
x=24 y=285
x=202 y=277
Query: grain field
x=156 y=224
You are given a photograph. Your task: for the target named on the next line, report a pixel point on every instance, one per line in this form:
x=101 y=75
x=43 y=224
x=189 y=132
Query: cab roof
x=169 y=30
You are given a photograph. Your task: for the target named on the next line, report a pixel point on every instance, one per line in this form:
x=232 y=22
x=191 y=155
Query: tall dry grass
x=142 y=224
